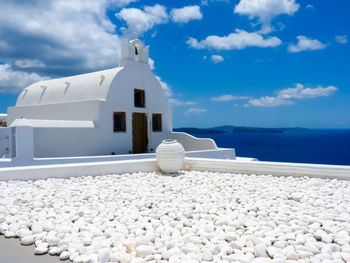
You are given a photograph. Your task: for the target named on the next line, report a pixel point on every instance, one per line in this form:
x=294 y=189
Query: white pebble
x=41 y=250
x=27 y=240
x=103 y=255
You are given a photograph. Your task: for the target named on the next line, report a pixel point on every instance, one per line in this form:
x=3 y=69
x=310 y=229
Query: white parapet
x=271 y=168
x=191 y=143
x=24 y=136
x=5 y=135
x=37 y=172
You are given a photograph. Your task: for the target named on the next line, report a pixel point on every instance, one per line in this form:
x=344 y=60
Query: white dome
x=84 y=87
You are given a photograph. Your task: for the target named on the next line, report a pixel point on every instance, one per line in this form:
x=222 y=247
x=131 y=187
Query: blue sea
x=311 y=146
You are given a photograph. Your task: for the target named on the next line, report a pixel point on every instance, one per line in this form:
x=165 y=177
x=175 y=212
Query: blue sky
x=266 y=63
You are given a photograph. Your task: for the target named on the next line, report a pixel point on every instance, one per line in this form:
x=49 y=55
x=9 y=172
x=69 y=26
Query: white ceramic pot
x=170 y=156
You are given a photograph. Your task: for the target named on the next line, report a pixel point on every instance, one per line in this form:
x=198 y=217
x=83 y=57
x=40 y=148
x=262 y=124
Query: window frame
x=123 y=121
x=143 y=98
x=159 y=120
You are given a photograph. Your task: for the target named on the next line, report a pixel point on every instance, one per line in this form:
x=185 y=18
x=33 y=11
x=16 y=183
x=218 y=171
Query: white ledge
x=36 y=123
x=274 y=168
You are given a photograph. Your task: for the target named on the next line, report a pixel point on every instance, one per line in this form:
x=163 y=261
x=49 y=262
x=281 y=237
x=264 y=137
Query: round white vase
x=170 y=156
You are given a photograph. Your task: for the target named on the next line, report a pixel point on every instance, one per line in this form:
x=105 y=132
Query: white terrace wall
x=5 y=142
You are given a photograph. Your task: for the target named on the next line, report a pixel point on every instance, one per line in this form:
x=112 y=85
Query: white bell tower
x=133 y=51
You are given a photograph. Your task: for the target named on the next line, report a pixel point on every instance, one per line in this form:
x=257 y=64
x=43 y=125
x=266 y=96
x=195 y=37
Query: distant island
x=239 y=129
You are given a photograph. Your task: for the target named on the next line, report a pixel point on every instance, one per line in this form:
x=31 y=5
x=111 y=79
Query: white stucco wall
x=5 y=142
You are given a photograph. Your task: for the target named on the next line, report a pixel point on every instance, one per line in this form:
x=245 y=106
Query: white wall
x=269 y=168
x=77 y=169
x=83 y=110
x=121 y=98
x=5 y=142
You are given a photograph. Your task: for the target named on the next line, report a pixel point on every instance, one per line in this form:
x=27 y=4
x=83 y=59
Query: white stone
x=37 y=228
x=64 y=255
x=260 y=250
x=207 y=256
x=144 y=250
x=27 y=240
x=41 y=250
x=103 y=255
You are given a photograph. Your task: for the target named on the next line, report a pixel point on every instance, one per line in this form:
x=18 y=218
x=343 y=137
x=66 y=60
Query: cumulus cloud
x=29 y=63
x=140 y=21
x=341 y=39
x=291 y=95
x=206 y=2
x=68 y=37
x=266 y=10
x=238 y=40
x=14 y=81
x=169 y=94
x=121 y=3
x=228 y=97
x=195 y=111
x=165 y=86
x=186 y=14
x=305 y=43
x=176 y=102
x=216 y=58
x=151 y=63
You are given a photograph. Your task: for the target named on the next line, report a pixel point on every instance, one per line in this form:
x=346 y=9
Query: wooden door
x=139 y=132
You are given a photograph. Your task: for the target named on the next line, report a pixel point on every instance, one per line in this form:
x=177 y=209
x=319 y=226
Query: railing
x=191 y=143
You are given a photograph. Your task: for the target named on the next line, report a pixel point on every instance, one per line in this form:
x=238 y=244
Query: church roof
x=84 y=87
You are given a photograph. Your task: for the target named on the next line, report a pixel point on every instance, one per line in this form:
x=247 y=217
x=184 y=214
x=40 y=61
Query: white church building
x=110 y=112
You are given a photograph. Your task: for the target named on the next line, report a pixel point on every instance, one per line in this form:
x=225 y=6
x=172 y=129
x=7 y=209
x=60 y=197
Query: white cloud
x=166 y=88
x=311 y=7
x=68 y=37
x=195 y=111
x=341 y=39
x=266 y=10
x=300 y=92
x=140 y=21
x=14 y=81
x=228 y=97
x=29 y=63
x=176 y=102
x=151 y=63
x=169 y=94
x=186 y=14
x=268 y=101
x=216 y=58
x=238 y=40
x=304 y=44
x=291 y=95
x=206 y=2
x=121 y=3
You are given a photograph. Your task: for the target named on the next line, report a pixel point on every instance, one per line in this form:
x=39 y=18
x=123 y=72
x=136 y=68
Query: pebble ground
x=191 y=217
